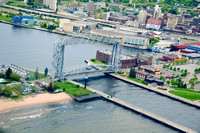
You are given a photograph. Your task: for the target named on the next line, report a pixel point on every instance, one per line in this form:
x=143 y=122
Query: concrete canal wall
x=164 y=93
x=140 y=111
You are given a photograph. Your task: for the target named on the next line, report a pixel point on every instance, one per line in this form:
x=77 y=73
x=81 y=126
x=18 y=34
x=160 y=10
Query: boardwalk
x=141 y=111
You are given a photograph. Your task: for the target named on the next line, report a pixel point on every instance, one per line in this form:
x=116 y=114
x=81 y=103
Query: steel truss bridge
x=81 y=39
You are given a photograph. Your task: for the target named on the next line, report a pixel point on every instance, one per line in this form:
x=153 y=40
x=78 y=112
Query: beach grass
x=41 y=76
x=72 y=89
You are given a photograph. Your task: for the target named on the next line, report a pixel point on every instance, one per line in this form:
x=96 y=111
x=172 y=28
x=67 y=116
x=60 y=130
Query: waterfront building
x=51 y=3
x=142 y=16
x=62 y=22
x=150 y=69
x=194 y=48
x=172 y=22
x=135 y=41
x=78 y=26
x=24 y=19
x=141 y=75
x=15 y=69
x=154 y=24
x=126 y=61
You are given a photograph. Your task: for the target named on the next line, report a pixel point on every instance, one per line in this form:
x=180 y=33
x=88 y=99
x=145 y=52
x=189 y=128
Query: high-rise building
x=157 y=12
x=172 y=22
x=180 y=19
x=51 y=3
x=90 y=8
x=142 y=17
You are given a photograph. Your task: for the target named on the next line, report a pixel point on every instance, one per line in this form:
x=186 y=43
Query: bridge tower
x=58 y=58
x=115 y=58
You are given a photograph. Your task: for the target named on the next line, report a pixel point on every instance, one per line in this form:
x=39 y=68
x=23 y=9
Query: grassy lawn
x=185 y=89
x=5 y=18
x=137 y=80
x=187 y=95
x=72 y=89
x=41 y=76
x=97 y=62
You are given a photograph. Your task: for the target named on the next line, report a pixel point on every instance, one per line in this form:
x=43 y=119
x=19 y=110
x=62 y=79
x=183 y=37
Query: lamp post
x=86 y=81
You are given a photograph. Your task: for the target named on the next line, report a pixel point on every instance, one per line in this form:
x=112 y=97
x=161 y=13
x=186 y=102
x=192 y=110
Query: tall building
x=180 y=19
x=157 y=12
x=142 y=17
x=90 y=8
x=40 y=1
x=172 y=22
x=51 y=3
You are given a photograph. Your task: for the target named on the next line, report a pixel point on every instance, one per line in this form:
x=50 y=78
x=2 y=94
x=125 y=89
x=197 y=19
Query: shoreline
x=160 y=92
x=30 y=101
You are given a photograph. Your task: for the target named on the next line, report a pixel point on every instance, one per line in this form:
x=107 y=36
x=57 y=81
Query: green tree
x=1 y=90
x=8 y=73
x=178 y=69
x=0 y=14
x=17 y=87
x=132 y=73
x=15 y=76
x=168 y=82
x=7 y=91
x=162 y=78
x=46 y=72
x=36 y=75
x=171 y=68
x=174 y=68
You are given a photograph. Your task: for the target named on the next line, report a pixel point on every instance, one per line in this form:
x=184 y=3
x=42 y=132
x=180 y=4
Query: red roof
x=157 y=70
x=154 y=21
x=142 y=73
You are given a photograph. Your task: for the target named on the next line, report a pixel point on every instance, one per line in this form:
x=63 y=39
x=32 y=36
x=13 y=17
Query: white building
x=153 y=24
x=51 y=3
x=15 y=69
x=142 y=16
x=62 y=22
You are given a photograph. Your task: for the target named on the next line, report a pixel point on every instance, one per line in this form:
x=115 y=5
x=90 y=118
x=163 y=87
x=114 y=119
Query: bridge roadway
x=139 y=110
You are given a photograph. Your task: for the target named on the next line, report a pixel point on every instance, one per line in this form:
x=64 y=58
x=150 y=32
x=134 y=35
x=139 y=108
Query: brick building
x=126 y=61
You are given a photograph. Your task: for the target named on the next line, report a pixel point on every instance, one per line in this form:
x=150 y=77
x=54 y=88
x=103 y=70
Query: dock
x=140 y=111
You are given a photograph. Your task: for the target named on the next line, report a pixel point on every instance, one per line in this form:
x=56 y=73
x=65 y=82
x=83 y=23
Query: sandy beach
x=38 y=99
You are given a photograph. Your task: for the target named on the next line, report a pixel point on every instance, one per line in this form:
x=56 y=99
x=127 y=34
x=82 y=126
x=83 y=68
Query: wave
x=25 y=117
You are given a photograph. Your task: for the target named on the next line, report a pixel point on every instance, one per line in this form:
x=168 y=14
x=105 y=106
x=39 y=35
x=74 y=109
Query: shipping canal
x=31 y=48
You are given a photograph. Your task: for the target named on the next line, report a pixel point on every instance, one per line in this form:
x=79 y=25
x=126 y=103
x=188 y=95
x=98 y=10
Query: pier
x=140 y=111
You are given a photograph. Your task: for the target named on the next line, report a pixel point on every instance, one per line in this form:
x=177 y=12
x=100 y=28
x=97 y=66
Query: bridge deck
x=141 y=111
